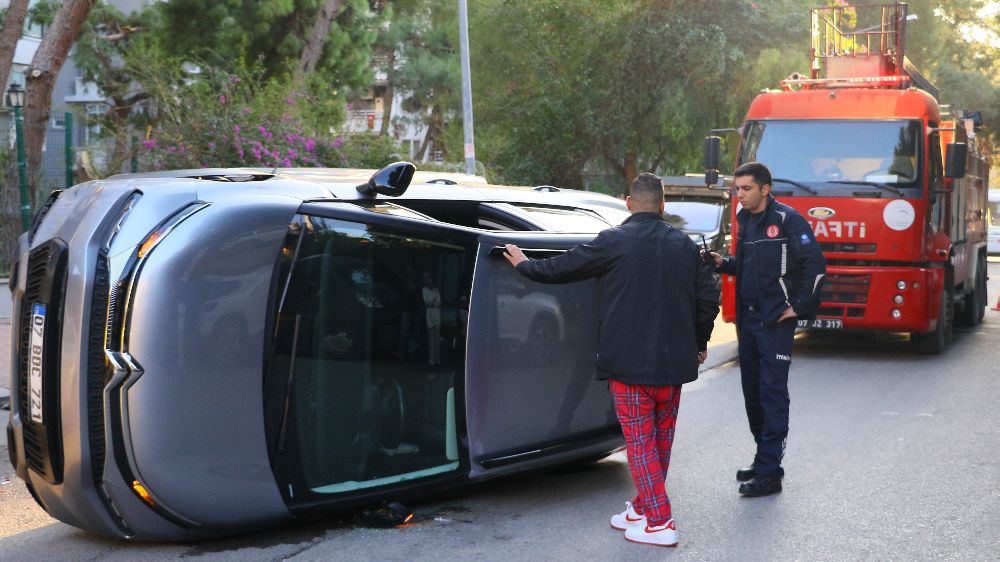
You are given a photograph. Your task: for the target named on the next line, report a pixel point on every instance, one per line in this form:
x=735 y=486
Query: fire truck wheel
x=933 y=343
x=974 y=307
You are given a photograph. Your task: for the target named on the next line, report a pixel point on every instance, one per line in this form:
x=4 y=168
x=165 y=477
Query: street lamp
x=15 y=99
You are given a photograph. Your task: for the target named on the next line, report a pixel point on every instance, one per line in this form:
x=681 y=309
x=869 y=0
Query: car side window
x=369 y=344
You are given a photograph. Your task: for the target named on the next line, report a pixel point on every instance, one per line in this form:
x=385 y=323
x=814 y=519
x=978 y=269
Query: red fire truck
x=891 y=181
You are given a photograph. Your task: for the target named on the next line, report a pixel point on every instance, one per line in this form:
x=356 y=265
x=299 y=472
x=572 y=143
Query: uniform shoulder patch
x=805 y=239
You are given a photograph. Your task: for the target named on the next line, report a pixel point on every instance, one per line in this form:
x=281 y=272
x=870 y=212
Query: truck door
x=530 y=389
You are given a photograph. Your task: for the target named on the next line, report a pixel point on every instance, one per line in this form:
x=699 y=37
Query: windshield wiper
x=801 y=186
x=872 y=184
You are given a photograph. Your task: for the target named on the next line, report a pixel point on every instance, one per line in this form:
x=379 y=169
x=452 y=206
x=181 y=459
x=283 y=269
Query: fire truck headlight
x=901 y=285
x=896 y=314
x=898 y=299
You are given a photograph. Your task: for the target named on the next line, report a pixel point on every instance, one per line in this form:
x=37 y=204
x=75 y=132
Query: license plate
x=35 y=355
x=822 y=323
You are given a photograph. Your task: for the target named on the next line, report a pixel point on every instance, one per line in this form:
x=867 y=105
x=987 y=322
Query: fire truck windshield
x=834 y=157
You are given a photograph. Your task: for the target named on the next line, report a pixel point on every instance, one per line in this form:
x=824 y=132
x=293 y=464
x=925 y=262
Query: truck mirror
x=711 y=178
x=712 y=159
x=954 y=161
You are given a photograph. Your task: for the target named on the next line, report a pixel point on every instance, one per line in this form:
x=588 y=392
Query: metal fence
x=56 y=172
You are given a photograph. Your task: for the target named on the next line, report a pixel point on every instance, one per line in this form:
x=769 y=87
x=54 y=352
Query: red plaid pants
x=648 y=415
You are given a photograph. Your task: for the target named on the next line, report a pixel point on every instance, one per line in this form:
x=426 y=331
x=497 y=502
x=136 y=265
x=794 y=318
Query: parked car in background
x=700 y=211
x=203 y=352
x=993 y=240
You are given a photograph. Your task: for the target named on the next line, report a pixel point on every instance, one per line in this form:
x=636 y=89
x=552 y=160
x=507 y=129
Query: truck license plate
x=822 y=323
x=35 y=355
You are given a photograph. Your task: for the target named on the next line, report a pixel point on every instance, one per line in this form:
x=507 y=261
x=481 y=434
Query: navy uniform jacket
x=658 y=300
x=790 y=264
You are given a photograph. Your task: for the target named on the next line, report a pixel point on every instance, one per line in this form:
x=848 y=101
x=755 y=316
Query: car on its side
x=205 y=352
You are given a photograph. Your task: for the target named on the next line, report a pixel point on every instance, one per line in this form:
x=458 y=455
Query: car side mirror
x=391 y=180
x=955 y=158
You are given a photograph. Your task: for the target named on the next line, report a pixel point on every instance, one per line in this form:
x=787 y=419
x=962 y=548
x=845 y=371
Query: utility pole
x=463 y=34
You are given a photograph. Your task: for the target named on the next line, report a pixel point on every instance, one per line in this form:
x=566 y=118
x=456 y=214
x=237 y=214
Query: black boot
x=761 y=486
x=745 y=473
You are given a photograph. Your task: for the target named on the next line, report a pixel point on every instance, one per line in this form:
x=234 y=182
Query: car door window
x=369 y=346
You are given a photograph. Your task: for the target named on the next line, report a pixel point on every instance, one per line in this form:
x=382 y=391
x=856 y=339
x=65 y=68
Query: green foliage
x=420 y=45
x=241 y=118
x=361 y=150
x=577 y=85
x=222 y=118
x=272 y=32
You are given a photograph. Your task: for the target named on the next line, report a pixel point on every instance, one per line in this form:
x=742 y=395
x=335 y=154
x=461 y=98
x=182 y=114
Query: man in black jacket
x=779 y=270
x=658 y=302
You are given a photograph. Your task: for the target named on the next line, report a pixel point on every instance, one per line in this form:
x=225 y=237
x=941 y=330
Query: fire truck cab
x=891 y=181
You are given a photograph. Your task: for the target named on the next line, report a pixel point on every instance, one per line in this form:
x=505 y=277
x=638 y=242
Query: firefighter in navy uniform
x=779 y=270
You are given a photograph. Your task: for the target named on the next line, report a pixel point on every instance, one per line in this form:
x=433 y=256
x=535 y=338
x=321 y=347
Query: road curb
x=719 y=355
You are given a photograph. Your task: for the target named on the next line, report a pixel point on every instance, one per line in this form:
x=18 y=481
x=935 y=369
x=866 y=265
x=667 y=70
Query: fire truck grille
x=845 y=289
x=847 y=247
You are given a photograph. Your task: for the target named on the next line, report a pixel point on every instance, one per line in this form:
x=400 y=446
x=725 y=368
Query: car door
x=531 y=395
x=355 y=406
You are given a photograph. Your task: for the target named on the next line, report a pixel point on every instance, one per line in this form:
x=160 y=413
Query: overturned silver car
x=206 y=352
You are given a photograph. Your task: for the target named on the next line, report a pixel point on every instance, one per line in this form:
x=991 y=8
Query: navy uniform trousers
x=765 y=356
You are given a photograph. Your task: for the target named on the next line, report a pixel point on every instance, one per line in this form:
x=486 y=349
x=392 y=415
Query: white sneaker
x=662 y=535
x=628 y=518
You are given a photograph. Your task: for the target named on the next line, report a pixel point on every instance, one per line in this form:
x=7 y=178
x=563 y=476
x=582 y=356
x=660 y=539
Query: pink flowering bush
x=238 y=119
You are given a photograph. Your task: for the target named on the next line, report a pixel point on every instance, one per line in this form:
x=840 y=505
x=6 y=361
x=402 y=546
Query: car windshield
x=825 y=155
x=692 y=216
x=368 y=348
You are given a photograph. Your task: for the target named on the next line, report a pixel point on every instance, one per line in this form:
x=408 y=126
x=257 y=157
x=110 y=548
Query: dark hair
x=761 y=175
x=647 y=190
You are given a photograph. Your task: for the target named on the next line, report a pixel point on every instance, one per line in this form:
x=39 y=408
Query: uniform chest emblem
x=772 y=231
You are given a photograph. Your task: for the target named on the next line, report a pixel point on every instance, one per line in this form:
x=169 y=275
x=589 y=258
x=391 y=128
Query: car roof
x=341 y=183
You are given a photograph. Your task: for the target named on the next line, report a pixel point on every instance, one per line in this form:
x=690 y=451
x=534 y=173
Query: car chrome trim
x=592 y=438
x=131 y=272
x=125 y=373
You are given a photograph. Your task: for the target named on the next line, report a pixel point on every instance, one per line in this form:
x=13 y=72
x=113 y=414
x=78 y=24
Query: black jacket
x=658 y=300
x=790 y=264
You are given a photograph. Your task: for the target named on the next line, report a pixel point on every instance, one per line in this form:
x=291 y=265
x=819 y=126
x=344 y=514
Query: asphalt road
x=891 y=456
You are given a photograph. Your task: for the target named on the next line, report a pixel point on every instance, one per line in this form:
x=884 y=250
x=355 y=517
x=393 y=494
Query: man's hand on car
x=514 y=254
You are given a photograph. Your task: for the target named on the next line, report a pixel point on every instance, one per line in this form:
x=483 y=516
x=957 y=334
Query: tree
x=41 y=75
x=107 y=43
x=338 y=34
x=576 y=86
x=316 y=40
x=12 y=27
